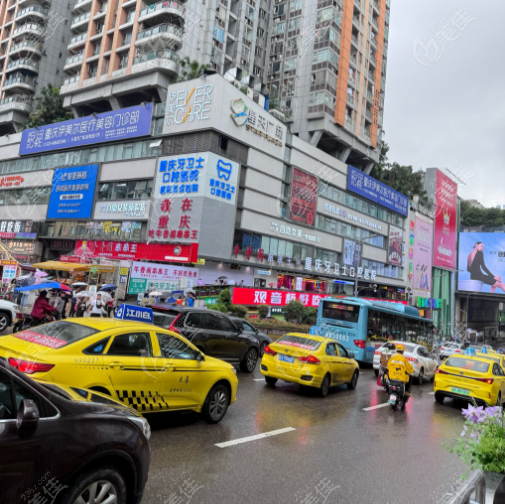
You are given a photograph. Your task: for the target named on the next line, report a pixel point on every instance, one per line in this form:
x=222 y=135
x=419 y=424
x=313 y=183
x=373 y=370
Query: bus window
x=337 y=311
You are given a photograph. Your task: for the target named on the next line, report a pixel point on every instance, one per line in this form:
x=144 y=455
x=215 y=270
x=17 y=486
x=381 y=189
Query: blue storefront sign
x=370 y=188
x=136 y=313
x=72 y=193
x=120 y=124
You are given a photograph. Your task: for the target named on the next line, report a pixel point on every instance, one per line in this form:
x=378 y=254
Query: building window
x=133 y=189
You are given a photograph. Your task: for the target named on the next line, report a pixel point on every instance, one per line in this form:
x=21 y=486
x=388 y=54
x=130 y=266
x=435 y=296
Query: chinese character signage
x=120 y=124
x=162 y=277
x=72 y=193
x=129 y=250
x=246 y=296
x=135 y=313
x=423 y=250
x=345 y=214
x=303 y=197
x=11 y=181
x=9 y=271
x=395 y=246
x=482 y=263
x=446 y=196
x=21 y=247
x=17 y=229
x=138 y=209
x=182 y=184
x=373 y=190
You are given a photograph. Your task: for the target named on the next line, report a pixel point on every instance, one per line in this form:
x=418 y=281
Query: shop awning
x=65 y=266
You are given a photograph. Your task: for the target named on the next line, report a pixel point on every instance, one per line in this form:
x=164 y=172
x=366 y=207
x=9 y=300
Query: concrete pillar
x=368 y=167
x=115 y=103
x=316 y=136
x=344 y=154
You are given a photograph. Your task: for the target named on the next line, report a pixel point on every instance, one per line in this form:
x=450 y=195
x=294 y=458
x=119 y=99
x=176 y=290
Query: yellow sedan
x=144 y=366
x=312 y=361
x=470 y=376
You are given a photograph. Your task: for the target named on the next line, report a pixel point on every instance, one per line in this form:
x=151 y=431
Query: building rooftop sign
x=120 y=124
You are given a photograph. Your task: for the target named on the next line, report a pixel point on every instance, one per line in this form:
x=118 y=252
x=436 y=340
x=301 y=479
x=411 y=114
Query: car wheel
x=4 y=321
x=248 y=365
x=216 y=404
x=270 y=380
x=352 y=384
x=420 y=378
x=439 y=397
x=325 y=386
x=376 y=371
x=98 y=486
x=262 y=348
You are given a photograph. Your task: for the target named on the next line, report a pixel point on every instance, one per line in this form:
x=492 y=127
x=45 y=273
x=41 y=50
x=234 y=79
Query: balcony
x=351 y=81
x=357 y=3
x=77 y=41
x=97 y=35
x=32 y=29
x=375 y=25
x=34 y=12
x=355 y=21
x=24 y=63
x=21 y=82
x=353 y=60
x=366 y=132
x=82 y=6
x=102 y=12
x=21 y=103
x=371 y=77
x=24 y=48
x=163 y=60
x=348 y=122
x=372 y=60
x=350 y=100
x=368 y=115
x=369 y=97
x=354 y=40
x=73 y=62
x=72 y=79
x=373 y=42
x=80 y=23
x=376 y=6
x=156 y=35
x=164 y=9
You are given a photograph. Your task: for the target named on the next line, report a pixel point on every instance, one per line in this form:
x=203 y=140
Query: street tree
x=190 y=69
x=48 y=109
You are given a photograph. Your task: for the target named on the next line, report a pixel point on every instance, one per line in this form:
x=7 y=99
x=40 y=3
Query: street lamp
x=361 y=265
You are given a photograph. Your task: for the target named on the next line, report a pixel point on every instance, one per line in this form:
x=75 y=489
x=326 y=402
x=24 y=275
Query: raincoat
x=399 y=368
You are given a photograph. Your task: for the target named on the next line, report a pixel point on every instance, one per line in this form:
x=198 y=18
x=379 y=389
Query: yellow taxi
x=494 y=356
x=144 y=366
x=312 y=361
x=470 y=376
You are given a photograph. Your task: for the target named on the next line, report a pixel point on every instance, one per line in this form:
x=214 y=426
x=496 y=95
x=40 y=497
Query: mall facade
x=207 y=185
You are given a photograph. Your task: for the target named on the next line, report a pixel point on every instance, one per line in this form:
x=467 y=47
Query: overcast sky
x=450 y=113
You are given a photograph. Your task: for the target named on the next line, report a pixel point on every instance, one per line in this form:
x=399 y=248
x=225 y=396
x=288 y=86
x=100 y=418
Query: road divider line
x=431 y=393
x=376 y=407
x=258 y=379
x=255 y=438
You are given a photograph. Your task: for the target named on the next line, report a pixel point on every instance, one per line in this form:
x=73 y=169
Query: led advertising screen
x=422 y=257
x=482 y=262
x=303 y=197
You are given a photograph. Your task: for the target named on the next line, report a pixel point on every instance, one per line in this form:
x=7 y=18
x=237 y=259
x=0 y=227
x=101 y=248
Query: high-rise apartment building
x=33 y=40
x=328 y=72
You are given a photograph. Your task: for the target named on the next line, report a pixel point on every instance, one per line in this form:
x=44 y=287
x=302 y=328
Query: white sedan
x=422 y=361
x=447 y=348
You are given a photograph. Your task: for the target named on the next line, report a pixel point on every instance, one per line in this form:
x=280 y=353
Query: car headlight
x=234 y=370
x=143 y=425
x=15 y=307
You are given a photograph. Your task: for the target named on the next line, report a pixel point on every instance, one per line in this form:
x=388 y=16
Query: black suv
x=68 y=445
x=213 y=333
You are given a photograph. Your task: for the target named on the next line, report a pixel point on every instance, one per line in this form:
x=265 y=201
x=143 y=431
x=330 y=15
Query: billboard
x=481 y=262
x=120 y=124
x=72 y=193
x=422 y=257
x=446 y=195
x=395 y=246
x=373 y=190
x=303 y=197
x=162 y=277
x=352 y=253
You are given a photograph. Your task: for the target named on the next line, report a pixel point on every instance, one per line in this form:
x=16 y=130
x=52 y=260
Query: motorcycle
x=383 y=378
x=397 y=398
x=27 y=322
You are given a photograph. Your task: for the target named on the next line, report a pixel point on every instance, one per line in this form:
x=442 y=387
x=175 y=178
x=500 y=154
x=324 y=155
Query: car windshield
x=470 y=364
x=299 y=342
x=163 y=320
x=57 y=334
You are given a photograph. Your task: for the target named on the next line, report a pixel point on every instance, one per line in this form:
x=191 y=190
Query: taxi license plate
x=286 y=358
x=460 y=391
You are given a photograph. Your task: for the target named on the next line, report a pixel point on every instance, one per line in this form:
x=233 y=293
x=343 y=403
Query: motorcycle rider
x=42 y=308
x=399 y=368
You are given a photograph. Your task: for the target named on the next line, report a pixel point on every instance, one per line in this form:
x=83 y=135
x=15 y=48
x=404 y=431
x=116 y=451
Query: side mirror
x=200 y=357
x=351 y=355
x=28 y=415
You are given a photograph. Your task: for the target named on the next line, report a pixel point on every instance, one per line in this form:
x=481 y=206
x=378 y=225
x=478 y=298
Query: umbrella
x=47 y=285
x=40 y=273
x=272 y=285
x=222 y=278
x=79 y=284
x=200 y=282
x=155 y=293
x=85 y=294
x=108 y=287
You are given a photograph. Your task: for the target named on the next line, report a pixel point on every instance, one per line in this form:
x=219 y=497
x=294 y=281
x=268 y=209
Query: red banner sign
x=11 y=180
x=138 y=251
x=248 y=296
x=70 y=259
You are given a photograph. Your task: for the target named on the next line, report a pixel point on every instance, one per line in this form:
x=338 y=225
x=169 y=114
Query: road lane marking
x=258 y=379
x=254 y=438
x=431 y=393
x=376 y=407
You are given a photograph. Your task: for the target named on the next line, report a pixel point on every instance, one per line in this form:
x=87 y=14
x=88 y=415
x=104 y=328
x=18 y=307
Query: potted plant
x=482 y=444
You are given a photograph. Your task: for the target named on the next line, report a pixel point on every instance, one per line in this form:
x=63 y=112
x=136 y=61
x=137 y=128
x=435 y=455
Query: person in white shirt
x=95 y=306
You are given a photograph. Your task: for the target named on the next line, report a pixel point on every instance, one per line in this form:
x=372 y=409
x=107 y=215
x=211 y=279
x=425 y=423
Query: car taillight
x=310 y=359
x=29 y=367
x=269 y=351
x=489 y=381
x=377 y=352
x=359 y=343
x=440 y=371
x=457 y=351
x=172 y=325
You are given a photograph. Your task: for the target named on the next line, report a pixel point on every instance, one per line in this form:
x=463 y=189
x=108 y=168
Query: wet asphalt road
x=377 y=456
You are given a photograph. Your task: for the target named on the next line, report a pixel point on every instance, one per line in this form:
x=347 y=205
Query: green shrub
x=225 y=297
x=220 y=307
x=294 y=312
x=279 y=324
x=310 y=316
x=238 y=310
x=263 y=311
